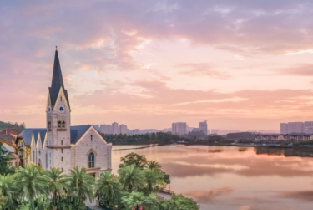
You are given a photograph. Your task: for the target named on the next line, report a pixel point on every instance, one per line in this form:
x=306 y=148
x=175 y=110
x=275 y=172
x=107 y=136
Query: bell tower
x=58 y=122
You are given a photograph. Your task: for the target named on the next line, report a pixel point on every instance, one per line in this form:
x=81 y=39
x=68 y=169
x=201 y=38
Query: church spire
x=57 y=80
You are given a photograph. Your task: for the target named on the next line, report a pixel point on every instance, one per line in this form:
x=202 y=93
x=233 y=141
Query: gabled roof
x=28 y=133
x=57 y=81
x=76 y=133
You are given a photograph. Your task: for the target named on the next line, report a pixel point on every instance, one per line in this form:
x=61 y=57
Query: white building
x=60 y=144
x=123 y=129
x=180 y=128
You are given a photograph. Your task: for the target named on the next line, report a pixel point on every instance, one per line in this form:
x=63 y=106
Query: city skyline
x=229 y=63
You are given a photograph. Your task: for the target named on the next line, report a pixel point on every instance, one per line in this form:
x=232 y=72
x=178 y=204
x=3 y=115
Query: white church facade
x=61 y=145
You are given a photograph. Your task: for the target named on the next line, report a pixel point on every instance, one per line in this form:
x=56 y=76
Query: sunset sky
x=240 y=64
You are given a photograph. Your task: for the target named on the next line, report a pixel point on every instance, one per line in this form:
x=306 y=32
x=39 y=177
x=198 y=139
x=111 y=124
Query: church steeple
x=57 y=80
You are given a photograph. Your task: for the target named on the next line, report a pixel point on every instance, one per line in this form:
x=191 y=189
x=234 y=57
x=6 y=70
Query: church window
x=62 y=150
x=49 y=125
x=61 y=158
x=91 y=160
x=59 y=124
x=33 y=156
x=91 y=137
x=46 y=160
x=61 y=98
x=61 y=142
x=63 y=124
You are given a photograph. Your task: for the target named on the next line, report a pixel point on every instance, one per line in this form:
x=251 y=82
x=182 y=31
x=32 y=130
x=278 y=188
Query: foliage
x=133 y=198
x=131 y=178
x=57 y=184
x=134 y=159
x=138 y=181
x=32 y=183
x=240 y=135
x=4 y=161
x=179 y=202
x=80 y=186
x=108 y=188
x=4 y=125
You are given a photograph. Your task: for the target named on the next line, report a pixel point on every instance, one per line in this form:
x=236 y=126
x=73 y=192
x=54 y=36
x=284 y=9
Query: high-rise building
x=123 y=129
x=308 y=127
x=180 y=128
x=283 y=128
x=115 y=128
x=203 y=126
x=295 y=127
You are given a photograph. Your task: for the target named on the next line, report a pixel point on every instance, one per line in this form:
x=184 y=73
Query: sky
x=242 y=65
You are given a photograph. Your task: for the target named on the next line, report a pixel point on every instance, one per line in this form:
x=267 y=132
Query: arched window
x=63 y=124
x=59 y=124
x=91 y=160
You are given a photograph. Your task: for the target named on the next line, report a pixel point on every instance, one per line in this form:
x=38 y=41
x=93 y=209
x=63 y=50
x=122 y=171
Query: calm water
x=234 y=178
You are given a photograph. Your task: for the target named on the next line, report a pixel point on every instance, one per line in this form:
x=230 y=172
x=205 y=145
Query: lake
x=234 y=178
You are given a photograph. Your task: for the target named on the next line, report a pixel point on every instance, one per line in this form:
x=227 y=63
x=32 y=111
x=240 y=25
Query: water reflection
x=235 y=178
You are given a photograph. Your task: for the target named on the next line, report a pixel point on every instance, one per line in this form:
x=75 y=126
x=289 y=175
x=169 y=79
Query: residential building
x=123 y=129
x=283 y=128
x=203 y=126
x=180 y=128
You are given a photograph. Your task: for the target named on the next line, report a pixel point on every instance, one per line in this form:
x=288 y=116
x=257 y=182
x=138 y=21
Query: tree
x=80 y=186
x=32 y=183
x=131 y=178
x=56 y=184
x=107 y=188
x=4 y=160
x=133 y=198
x=153 y=165
x=153 y=180
x=7 y=190
x=134 y=159
x=179 y=202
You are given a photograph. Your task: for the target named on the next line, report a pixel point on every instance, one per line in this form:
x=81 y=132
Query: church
x=60 y=144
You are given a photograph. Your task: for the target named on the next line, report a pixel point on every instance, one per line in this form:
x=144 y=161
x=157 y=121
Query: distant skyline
x=240 y=65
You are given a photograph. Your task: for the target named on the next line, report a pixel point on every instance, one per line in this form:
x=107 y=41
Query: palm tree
x=107 y=187
x=81 y=185
x=153 y=165
x=131 y=178
x=32 y=183
x=56 y=184
x=6 y=191
x=153 y=180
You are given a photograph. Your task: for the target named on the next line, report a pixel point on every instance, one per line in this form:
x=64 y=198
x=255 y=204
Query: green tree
x=179 y=202
x=153 y=181
x=153 y=165
x=107 y=188
x=80 y=186
x=133 y=198
x=32 y=183
x=57 y=184
x=4 y=160
x=131 y=178
x=134 y=159
x=7 y=191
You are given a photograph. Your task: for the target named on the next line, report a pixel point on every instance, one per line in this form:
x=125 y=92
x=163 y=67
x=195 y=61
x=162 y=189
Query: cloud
x=300 y=70
x=194 y=69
